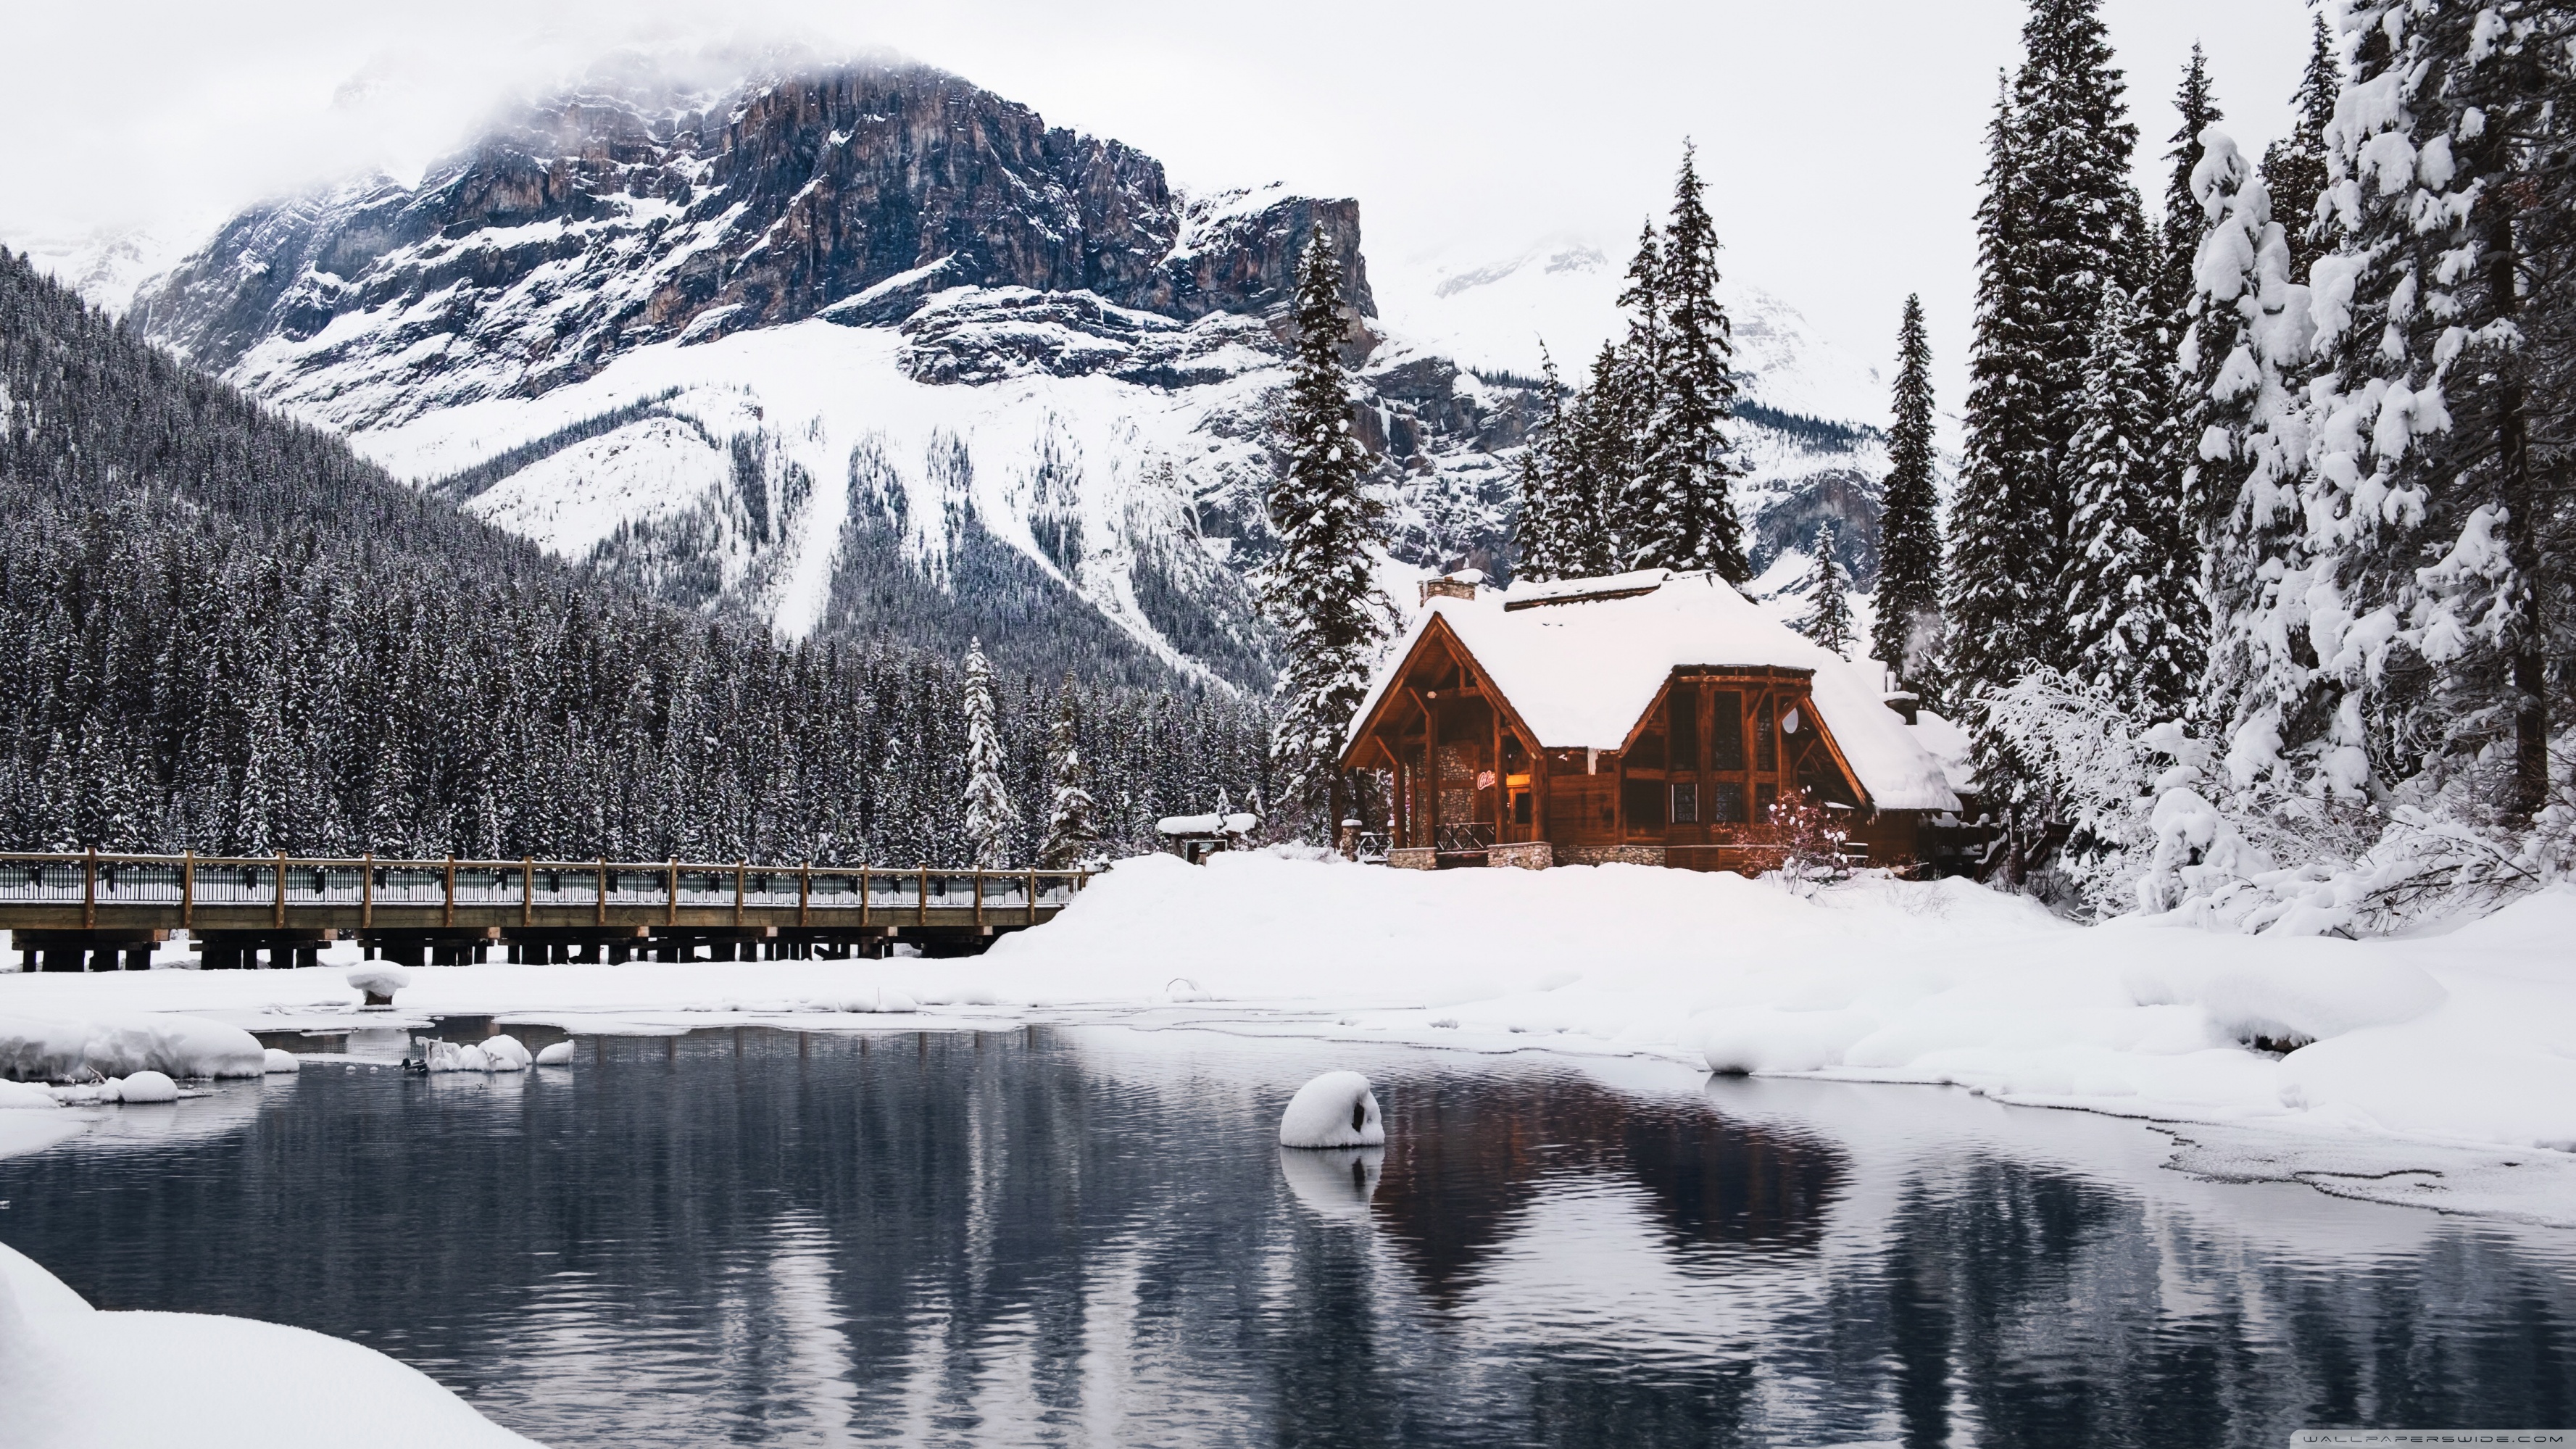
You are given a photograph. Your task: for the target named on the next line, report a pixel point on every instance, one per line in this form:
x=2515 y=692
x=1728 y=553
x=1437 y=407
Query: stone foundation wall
x=1610 y=855
x=1413 y=857
x=1523 y=855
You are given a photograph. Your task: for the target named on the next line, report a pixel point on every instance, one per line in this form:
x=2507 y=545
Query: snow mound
x=281 y=1063
x=505 y=1054
x=560 y=1054
x=1336 y=1109
x=45 y=1049
x=144 y=1087
x=69 y=1377
x=380 y=980
x=2287 y=997
x=1764 y=1039
x=18 y=1094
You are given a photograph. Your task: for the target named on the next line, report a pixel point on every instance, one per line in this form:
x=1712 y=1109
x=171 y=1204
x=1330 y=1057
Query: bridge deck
x=105 y=893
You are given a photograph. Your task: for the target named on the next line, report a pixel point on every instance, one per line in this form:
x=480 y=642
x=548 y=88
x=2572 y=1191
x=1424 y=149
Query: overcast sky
x=1841 y=142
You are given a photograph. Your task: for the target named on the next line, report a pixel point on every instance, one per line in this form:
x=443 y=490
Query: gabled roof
x=1582 y=659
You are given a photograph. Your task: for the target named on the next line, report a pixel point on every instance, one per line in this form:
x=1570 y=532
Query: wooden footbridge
x=97 y=912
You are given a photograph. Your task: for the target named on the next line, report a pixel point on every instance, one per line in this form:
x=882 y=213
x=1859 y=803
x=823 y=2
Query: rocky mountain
x=862 y=350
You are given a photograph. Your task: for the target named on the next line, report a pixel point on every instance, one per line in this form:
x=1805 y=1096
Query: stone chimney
x=1460 y=585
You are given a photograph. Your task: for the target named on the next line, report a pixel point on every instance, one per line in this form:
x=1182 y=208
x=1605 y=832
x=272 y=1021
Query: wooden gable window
x=1726 y=733
x=1685 y=802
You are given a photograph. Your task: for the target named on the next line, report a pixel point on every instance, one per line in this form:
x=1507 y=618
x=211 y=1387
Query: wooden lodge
x=1651 y=718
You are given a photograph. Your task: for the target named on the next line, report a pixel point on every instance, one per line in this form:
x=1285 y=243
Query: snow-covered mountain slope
x=868 y=350
x=1495 y=312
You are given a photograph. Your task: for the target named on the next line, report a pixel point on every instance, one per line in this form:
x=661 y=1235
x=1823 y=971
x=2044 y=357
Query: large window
x=1685 y=802
x=1726 y=802
x=1726 y=737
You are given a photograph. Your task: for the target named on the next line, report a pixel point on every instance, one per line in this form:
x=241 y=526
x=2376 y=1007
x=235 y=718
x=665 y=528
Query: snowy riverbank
x=2441 y=1045
x=73 y=1375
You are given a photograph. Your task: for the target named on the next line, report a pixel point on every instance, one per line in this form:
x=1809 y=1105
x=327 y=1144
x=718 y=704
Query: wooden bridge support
x=242 y=950
x=100 y=950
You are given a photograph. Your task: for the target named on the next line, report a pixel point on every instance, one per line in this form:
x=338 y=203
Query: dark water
x=1090 y=1237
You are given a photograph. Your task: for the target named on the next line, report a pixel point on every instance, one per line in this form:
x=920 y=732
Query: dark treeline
x=235 y=635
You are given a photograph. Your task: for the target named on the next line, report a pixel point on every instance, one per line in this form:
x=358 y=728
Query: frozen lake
x=1089 y=1236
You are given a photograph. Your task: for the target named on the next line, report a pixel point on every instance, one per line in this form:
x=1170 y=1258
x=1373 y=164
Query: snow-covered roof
x=1237 y=823
x=1581 y=659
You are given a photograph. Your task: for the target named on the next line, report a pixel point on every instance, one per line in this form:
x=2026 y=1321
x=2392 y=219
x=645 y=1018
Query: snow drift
x=73 y=1376
x=39 y=1049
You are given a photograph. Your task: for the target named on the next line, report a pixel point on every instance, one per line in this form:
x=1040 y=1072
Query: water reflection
x=1092 y=1238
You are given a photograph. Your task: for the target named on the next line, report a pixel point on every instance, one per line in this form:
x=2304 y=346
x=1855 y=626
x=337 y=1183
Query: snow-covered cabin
x=1651 y=717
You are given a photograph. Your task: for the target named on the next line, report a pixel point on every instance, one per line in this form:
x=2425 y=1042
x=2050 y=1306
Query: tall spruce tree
x=2131 y=614
x=1992 y=601
x=2294 y=167
x=1601 y=459
x=1828 y=619
x=990 y=815
x=2169 y=296
x=1909 y=528
x=1684 y=515
x=1072 y=832
x=2085 y=229
x=1319 y=586
x=2250 y=329
x=1555 y=514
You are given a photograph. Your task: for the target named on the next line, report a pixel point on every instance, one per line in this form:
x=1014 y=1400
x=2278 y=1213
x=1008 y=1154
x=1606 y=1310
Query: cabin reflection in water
x=1653 y=718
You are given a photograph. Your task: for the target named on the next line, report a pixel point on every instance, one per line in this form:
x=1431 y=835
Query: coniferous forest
x=2256 y=599
x=237 y=636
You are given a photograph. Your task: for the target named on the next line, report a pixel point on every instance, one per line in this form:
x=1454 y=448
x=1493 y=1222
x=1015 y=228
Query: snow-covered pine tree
x=1909 y=525
x=2454 y=125
x=1072 y=834
x=2294 y=167
x=2129 y=602
x=1991 y=604
x=2085 y=228
x=1828 y=619
x=2250 y=331
x=1319 y=587
x=1684 y=514
x=990 y=815
x=1600 y=459
x=1550 y=487
x=2168 y=303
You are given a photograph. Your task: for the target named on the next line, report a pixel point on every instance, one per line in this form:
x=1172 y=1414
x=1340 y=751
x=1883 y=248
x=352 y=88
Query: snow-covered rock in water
x=57 y=1049
x=560 y=1054
x=1336 y=1109
x=380 y=982
x=69 y=1379
x=280 y=1062
x=1337 y=1181
x=448 y=1056
x=19 y=1094
x=145 y=1087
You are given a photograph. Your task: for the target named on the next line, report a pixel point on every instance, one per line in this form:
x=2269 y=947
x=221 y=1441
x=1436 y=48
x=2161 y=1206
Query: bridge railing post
x=367 y=890
x=1033 y=895
x=278 y=896
x=447 y=911
x=89 y=888
x=805 y=893
x=741 y=882
x=601 y=895
x=527 y=890
x=921 y=898
x=187 y=889
x=863 y=896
